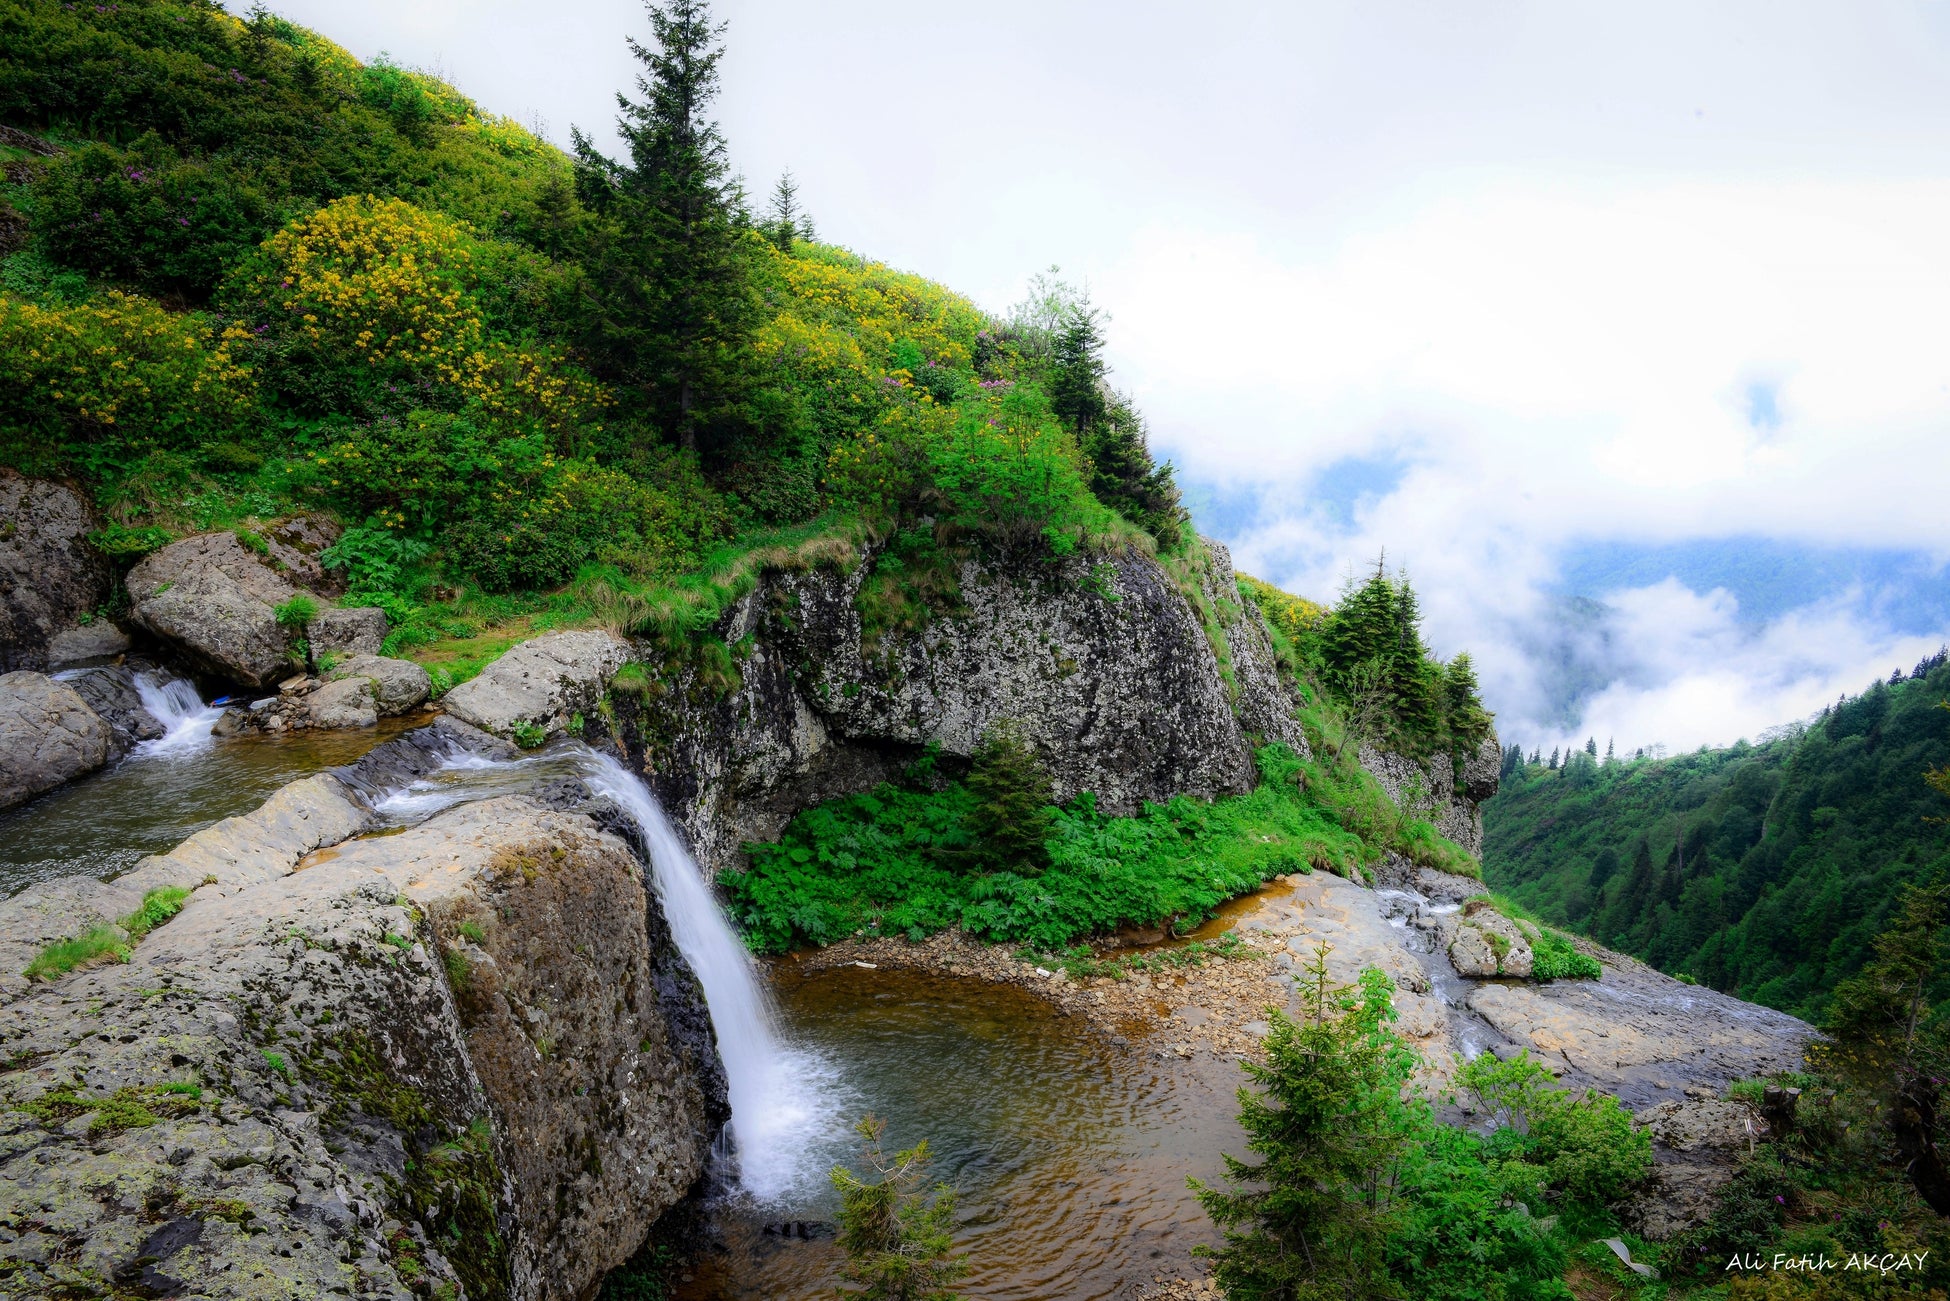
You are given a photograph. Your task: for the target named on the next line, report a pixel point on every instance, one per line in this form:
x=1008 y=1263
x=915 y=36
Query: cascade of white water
x=186 y=720
x=782 y=1098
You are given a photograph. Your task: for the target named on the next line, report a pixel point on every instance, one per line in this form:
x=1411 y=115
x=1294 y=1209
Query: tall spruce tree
x=1076 y=383
x=670 y=301
x=1011 y=821
x=1326 y=1117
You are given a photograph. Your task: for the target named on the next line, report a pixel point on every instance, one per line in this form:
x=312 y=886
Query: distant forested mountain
x=1764 y=871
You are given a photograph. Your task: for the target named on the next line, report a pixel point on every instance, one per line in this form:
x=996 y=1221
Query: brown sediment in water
x=1069 y=1113
x=1069 y=1152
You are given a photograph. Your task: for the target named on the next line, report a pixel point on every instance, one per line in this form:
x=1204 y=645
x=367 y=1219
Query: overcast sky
x=1642 y=304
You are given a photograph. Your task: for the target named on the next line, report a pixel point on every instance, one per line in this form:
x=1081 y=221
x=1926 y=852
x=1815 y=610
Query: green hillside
x=1765 y=871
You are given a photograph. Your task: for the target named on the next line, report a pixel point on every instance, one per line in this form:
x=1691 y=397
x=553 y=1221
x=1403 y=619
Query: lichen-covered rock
x=48 y=735
x=50 y=577
x=344 y=703
x=216 y=600
x=436 y=1062
x=397 y=685
x=1698 y=1145
x=1440 y=789
x=1490 y=944
x=359 y=630
x=1104 y=663
x=542 y=683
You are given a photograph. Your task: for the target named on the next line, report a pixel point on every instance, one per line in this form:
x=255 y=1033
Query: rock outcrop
x=462 y=1059
x=1106 y=665
x=95 y=640
x=50 y=577
x=541 y=684
x=48 y=735
x=1447 y=793
x=215 y=599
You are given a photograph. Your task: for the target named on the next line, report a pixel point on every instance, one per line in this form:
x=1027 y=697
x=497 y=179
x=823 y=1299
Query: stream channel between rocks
x=1068 y=1154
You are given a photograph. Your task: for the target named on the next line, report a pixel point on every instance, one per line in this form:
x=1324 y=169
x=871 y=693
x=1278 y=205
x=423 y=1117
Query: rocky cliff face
x=465 y=1059
x=1107 y=667
x=50 y=577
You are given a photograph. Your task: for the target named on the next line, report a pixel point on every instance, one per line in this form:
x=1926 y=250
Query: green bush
x=297 y=612
x=889 y=862
x=1557 y=960
x=1010 y=819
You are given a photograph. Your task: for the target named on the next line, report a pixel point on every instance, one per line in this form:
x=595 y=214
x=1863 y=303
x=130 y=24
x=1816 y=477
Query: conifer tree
x=1011 y=821
x=787 y=220
x=1326 y=1118
x=671 y=306
x=897 y=1241
x=1076 y=383
x=1124 y=477
x=1884 y=1033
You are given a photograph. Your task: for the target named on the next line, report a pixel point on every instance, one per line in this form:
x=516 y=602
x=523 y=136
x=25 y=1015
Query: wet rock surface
x=48 y=735
x=215 y=601
x=97 y=640
x=50 y=577
x=110 y=691
x=346 y=1056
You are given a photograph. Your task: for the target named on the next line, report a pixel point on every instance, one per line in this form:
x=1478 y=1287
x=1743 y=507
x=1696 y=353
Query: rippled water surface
x=1069 y=1156
x=149 y=802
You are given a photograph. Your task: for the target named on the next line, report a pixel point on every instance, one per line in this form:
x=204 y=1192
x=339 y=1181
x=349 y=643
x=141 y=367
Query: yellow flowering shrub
x=384 y=286
x=118 y=363
x=855 y=337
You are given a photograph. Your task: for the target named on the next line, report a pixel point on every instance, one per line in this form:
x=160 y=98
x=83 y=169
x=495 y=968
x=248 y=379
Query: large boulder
x=48 y=735
x=50 y=577
x=462 y=1060
x=345 y=703
x=216 y=600
x=359 y=630
x=397 y=685
x=540 y=684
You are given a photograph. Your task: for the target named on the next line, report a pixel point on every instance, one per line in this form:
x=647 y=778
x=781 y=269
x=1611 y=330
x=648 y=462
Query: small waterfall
x=185 y=719
x=783 y=1099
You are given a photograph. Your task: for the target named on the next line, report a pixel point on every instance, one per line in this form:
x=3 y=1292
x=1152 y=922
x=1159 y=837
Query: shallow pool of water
x=1068 y=1155
x=151 y=801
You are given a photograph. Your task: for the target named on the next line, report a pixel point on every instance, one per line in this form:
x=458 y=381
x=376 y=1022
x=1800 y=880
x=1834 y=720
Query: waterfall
x=185 y=719
x=783 y=1099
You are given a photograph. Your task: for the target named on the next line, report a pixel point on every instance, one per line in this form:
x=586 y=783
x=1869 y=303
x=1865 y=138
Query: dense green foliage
x=242 y=274
x=894 y=862
x=1359 y=1192
x=1766 y=871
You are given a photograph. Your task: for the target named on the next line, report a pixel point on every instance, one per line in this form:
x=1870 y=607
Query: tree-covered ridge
x=1766 y=871
x=242 y=274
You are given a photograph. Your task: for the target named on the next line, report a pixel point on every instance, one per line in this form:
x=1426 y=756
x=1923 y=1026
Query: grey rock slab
x=50 y=577
x=540 y=683
x=98 y=640
x=359 y=630
x=398 y=685
x=216 y=600
x=48 y=735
